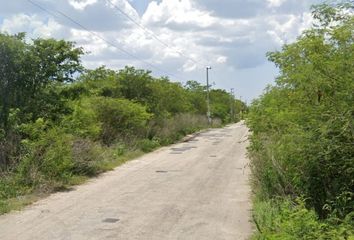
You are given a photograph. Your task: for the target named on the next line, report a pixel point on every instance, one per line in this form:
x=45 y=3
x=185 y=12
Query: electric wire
x=152 y=34
x=100 y=37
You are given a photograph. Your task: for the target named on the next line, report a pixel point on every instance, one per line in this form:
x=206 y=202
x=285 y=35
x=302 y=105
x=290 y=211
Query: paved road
x=189 y=191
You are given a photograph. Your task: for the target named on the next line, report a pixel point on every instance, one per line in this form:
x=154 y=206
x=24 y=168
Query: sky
x=174 y=38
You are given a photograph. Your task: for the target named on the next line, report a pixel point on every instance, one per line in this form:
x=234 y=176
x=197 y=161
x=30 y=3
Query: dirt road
x=189 y=191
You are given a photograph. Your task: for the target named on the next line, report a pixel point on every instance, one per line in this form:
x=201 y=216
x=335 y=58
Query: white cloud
x=34 y=25
x=221 y=59
x=275 y=3
x=91 y=43
x=81 y=4
x=286 y=28
x=176 y=13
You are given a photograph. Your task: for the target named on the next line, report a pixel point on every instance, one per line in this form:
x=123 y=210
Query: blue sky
x=232 y=36
x=140 y=5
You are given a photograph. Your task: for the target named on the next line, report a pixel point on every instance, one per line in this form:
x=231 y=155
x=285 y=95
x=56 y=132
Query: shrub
x=147 y=145
x=120 y=118
x=86 y=157
x=119 y=149
x=48 y=159
x=285 y=220
x=83 y=121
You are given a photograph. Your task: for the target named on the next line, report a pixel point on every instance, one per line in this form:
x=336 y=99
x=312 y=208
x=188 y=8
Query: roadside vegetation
x=61 y=123
x=302 y=148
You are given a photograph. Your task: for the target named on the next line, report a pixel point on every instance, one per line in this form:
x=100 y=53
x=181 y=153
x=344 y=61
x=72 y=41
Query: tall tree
x=28 y=69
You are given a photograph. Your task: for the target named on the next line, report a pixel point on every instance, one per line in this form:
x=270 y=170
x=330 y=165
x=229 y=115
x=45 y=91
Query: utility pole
x=208 y=100
x=232 y=100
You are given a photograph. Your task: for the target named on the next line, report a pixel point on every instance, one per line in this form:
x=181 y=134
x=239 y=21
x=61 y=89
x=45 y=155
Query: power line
x=98 y=36
x=150 y=32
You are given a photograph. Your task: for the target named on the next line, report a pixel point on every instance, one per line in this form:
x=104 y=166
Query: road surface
x=193 y=190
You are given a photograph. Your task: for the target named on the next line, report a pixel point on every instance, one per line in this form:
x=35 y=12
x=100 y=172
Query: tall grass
x=284 y=219
x=172 y=129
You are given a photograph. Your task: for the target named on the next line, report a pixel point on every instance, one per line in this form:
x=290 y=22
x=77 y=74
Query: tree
x=27 y=69
x=29 y=78
x=220 y=104
x=135 y=84
x=11 y=59
x=197 y=96
x=304 y=125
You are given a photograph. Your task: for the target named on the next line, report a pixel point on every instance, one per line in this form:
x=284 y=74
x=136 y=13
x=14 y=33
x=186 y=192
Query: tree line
x=303 y=134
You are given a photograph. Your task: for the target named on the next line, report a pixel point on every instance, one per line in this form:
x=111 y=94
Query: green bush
x=119 y=149
x=9 y=187
x=83 y=121
x=120 y=118
x=285 y=220
x=107 y=119
x=48 y=159
x=147 y=145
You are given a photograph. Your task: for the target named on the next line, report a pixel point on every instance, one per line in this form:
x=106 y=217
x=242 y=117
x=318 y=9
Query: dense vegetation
x=60 y=123
x=302 y=146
